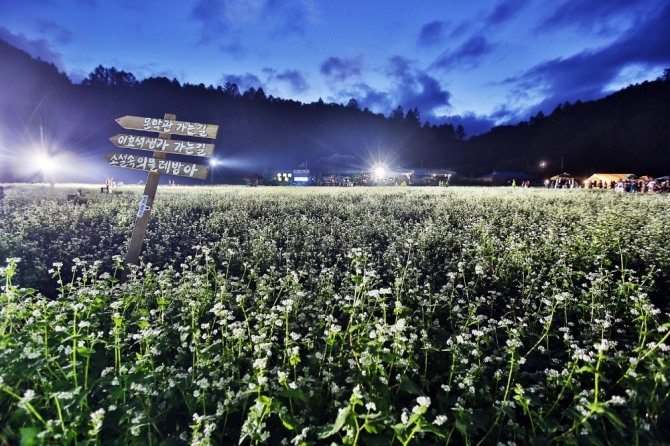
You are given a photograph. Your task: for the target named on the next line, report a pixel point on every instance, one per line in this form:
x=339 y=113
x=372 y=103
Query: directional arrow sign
x=159 y=165
x=169 y=126
x=163 y=145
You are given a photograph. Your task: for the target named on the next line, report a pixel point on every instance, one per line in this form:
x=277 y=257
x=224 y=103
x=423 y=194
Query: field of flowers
x=369 y=316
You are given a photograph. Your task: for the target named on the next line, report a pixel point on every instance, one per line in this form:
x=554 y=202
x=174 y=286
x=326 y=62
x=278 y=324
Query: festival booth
x=606 y=180
x=564 y=180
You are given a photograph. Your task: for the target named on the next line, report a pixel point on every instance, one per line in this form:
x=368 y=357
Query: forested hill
x=626 y=131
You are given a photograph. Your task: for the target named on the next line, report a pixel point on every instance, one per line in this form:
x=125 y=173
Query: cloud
x=468 y=54
x=61 y=35
x=601 y=16
x=410 y=88
x=228 y=18
x=40 y=48
x=295 y=79
x=415 y=88
x=340 y=69
x=243 y=81
x=585 y=75
x=432 y=34
x=505 y=11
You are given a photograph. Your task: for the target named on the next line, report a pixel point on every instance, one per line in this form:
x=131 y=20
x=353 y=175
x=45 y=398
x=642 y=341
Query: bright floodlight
x=380 y=171
x=214 y=162
x=45 y=164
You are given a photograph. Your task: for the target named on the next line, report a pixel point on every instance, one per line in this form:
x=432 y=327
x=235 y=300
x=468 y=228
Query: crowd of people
x=634 y=185
x=641 y=185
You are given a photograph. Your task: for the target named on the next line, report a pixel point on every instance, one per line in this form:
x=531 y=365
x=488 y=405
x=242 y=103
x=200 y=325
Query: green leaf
x=297 y=394
x=339 y=422
x=596 y=407
x=616 y=421
x=410 y=386
x=288 y=424
x=85 y=351
x=462 y=428
x=29 y=436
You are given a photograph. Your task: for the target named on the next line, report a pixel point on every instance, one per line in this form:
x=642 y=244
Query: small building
x=301 y=177
x=254 y=179
x=293 y=177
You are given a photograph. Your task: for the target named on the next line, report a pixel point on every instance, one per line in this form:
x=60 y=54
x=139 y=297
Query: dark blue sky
x=474 y=62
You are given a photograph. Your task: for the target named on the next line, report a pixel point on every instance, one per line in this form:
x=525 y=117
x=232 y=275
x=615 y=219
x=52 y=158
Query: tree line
x=625 y=131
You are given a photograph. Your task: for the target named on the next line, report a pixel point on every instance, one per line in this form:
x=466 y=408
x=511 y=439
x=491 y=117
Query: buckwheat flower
x=260 y=363
x=28 y=395
x=404 y=418
x=357 y=392
x=423 y=403
x=300 y=437
x=96 y=421
x=617 y=400
x=371 y=407
x=440 y=420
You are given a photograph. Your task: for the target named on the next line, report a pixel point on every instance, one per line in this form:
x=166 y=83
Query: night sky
x=474 y=62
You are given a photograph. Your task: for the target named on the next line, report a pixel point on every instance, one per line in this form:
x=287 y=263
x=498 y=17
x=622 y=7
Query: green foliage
x=357 y=316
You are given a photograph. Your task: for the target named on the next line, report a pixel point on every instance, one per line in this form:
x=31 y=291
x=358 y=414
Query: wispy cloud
x=40 y=48
x=61 y=35
x=294 y=79
x=505 y=11
x=414 y=88
x=468 y=54
x=432 y=34
x=584 y=75
x=340 y=69
x=600 y=16
x=243 y=81
x=227 y=18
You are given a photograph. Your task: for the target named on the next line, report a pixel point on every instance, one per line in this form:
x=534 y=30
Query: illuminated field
x=326 y=315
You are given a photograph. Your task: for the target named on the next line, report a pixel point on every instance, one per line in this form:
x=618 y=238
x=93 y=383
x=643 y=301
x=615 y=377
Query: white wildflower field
x=357 y=316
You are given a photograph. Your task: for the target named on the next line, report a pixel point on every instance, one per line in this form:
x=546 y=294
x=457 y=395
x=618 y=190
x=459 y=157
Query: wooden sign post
x=158 y=164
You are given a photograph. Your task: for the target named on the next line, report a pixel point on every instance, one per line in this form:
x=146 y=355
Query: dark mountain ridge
x=625 y=132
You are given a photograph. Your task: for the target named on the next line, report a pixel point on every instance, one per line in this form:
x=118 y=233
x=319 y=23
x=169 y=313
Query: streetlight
x=380 y=171
x=213 y=163
x=46 y=165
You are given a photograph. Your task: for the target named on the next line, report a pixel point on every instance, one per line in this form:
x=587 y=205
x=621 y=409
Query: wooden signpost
x=163 y=145
x=158 y=164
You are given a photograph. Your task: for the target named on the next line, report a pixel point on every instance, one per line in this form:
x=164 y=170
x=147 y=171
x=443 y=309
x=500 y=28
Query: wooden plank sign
x=163 y=145
x=157 y=165
x=170 y=126
x=160 y=146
